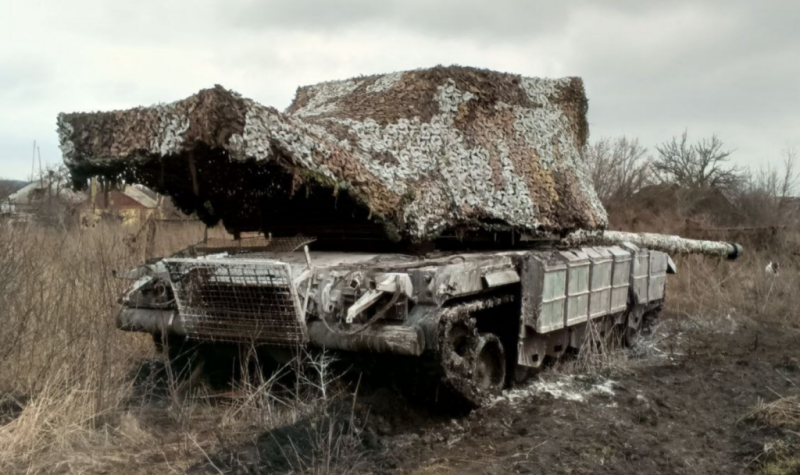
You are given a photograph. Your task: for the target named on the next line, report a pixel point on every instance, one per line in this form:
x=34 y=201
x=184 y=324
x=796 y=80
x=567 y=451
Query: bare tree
x=704 y=164
x=619 y=168
x=790 y=173
x=7 y=187
x=766 y=194
x=53 y=201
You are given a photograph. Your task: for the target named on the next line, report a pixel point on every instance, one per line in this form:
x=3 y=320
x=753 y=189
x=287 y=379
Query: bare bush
x=333 y=442
x=704 y=164
x=335 y=446
x=49 y=200
x=7 y=187
x=601 y=352
x=619 y=168
x=706 y=291
x=766 y=195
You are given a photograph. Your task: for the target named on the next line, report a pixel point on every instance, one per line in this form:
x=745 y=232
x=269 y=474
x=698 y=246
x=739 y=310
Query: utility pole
x=33 y=160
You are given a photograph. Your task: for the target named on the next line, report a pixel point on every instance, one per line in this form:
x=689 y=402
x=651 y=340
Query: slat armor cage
x=238 y=300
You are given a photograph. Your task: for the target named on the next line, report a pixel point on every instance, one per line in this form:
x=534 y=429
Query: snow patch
x=712 y=324
x=566 y=387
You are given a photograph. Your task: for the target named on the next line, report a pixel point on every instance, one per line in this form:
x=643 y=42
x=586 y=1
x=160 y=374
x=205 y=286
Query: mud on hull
x=476 y=322
x=472 y=352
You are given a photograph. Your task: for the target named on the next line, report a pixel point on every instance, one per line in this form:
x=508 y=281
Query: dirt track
x=679 y=409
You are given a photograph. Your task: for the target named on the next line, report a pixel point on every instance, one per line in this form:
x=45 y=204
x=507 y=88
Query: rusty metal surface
x=396 y=339
x=421 y=152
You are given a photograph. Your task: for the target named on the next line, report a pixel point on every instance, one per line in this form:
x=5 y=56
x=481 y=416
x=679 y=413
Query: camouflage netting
x=417 y=153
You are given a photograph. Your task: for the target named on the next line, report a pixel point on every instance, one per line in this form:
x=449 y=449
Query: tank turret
x=477 y=172
x=407 y=157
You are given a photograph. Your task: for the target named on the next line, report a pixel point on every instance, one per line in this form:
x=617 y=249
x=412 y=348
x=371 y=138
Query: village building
x=45 y=197
x=130 y=206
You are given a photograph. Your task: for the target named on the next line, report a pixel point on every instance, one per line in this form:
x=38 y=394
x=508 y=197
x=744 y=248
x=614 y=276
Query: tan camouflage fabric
x=426 y=151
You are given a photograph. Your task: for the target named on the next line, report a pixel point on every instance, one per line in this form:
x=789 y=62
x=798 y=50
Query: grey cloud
x=735 y=76
x=651 y=68
x=20 y=76
x=497 y=19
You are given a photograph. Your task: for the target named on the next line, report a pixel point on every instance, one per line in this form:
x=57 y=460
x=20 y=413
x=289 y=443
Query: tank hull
x=461 y=313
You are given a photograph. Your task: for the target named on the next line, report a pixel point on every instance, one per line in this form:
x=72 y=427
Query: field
x=716 y=389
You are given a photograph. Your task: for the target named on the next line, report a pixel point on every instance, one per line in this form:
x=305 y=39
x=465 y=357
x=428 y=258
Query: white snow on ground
x=567 y=387
x=715 y=324
x=665 y=343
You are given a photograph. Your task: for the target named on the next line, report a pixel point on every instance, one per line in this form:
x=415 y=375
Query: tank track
x=462 y=371
x=471 y=363
x=468 y=365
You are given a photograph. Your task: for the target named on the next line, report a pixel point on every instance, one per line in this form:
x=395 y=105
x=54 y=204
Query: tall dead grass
x=780 y=456
x=73 y=394
x=708 y=288
x=68 y=376
x=60 y=350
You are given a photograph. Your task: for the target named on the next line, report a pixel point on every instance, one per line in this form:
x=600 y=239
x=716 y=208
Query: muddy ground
x=679 y=408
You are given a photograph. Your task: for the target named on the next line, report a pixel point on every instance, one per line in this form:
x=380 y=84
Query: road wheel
x=650 y=321
x=473 y=364
x=489 y=374
x=460 y=337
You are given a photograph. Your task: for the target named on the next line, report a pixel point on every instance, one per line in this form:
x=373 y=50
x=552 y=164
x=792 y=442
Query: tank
x=443 y=218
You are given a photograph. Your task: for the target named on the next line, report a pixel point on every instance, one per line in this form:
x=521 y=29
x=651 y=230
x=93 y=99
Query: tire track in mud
x=677 y=409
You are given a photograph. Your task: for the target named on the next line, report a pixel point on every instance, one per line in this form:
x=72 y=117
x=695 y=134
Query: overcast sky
x=652 y=69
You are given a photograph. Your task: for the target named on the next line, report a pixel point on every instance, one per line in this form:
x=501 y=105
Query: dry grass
x=710 y=296
x=782 y=466
x=783 y=412
x=599 y=353
x=717 y=296
x=60 y=349
x=717 y=288
x=72 y=396
x=780 y=456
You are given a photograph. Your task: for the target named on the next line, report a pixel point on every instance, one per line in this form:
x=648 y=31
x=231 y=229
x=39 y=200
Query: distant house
x=7 y=188
x=39 y=198
x=131 y=206
x=51 y=199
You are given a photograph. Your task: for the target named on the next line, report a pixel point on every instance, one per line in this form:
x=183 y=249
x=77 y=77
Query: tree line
x=621 y=167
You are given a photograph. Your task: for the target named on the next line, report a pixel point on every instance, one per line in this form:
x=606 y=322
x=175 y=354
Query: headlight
x=149 y=292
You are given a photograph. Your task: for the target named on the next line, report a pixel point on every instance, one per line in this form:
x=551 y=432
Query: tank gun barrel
x=660 y=242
